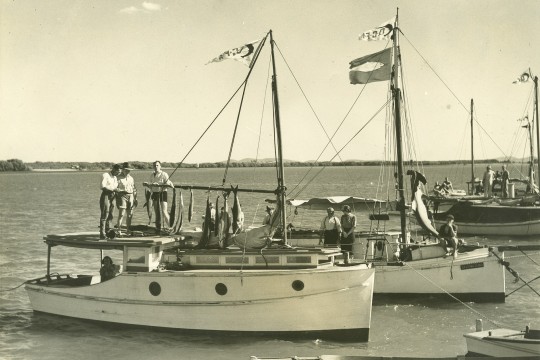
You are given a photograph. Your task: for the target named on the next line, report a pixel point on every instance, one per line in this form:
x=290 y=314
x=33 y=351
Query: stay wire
x=222 y=109
x=455 y=96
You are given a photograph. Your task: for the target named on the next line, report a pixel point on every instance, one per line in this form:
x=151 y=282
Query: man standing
x=330 y=229
x=505 y=177
x=126 y=197
x=487 y=181
x=109 y=184
x=157 y=182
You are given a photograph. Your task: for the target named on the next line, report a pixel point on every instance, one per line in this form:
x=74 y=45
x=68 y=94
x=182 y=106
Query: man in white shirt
x=330 y=229
x=108 y=186
x=126 y=196
x=487 y=181
x=159 y=179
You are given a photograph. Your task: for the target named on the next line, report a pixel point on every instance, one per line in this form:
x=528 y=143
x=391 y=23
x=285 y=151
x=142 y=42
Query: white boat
x=420 y=267
x=273 y=289
x=504 y=343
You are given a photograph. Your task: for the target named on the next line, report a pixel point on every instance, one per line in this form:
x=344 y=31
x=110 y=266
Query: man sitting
x=448 y=232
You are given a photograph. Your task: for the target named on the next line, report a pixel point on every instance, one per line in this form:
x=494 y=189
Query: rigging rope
x=453 y=297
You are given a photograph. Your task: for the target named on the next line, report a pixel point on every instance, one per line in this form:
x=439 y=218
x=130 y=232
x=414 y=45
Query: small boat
x=176 y=281
x=504 y=343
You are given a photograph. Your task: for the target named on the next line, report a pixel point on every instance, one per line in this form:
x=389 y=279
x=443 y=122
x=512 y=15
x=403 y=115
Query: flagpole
x=281 y=176
x=399 y=145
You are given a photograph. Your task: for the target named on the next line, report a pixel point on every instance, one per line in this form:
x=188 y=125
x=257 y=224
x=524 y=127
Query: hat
x=268 y=208
x=126 y=166
x=116 y=167
x=450 y=217
x=346 y=208
x=331 y=209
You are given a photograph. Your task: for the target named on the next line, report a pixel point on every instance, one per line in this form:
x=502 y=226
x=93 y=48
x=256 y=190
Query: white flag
x=244 y=53
x=523 y=78
x=383 y=32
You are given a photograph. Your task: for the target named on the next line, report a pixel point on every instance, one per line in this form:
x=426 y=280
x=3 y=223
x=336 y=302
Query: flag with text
x=382 y=32
x=244 y=53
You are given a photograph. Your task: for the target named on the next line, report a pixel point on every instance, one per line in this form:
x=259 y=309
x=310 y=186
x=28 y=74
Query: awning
x=337 y=202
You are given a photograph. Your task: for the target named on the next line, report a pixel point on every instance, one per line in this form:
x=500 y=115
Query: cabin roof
x=92 y=241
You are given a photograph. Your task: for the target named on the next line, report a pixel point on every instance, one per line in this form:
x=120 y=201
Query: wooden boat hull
x=273 y=301
x=502 y=343
x=473 y=276
x=493 y=219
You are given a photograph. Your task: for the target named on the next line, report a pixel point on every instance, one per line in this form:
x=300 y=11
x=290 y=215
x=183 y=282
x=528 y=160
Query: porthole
x=221 y=289
x=298 y=285
x=155 y=288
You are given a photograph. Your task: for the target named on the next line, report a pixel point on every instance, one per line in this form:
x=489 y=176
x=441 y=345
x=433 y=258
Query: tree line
x=19 y=165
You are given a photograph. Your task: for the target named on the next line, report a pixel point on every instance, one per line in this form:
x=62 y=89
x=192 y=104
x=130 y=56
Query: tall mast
x=399 y=146
x=537 y=126
x=281 y=177
x=472 y=148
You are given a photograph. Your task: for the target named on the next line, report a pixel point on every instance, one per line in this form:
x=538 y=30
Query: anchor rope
x=16 y=287
x=455 y=298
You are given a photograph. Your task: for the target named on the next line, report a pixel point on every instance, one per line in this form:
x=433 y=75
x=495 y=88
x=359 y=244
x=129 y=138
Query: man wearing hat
x=448 y=232
x=330 y=229
x=108 y=186
x=126 y=196
x=268 y=218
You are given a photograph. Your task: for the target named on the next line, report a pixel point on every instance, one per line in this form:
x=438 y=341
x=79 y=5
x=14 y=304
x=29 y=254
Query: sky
x=128 y=80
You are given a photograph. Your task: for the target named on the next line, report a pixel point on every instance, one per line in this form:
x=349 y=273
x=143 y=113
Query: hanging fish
x=238 y=215
x=190 y=209
x=217 y=217
x=207 y=225
x=180 y=214
x=419 y=208
x=224 y=224
x=148 y=204
x=172 y=214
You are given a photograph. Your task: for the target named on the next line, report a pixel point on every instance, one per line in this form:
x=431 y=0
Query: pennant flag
x=522 y=78
x=244 y=54
x=371 y=68
x=383 y=32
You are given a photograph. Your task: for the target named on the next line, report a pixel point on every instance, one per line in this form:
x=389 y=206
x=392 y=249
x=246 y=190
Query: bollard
x=479 y=326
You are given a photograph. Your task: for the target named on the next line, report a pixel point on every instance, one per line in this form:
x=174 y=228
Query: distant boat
x=497 y=216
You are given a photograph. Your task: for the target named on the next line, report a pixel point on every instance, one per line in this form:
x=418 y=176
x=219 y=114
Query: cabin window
x=136 y=256
x=221 y=289
x=154 y=288
x=298 y=285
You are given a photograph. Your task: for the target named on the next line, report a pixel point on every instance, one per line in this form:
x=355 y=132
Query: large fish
x=172 y=214
x=418 y=206
x=190 y=209
x=224 y=224
x=207 y=225
x=148 y=204
x=180 y=214
x=238 y=215
x=217 y=217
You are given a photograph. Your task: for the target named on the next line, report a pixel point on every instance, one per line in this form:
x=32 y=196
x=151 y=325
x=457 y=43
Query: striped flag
x=371 y=68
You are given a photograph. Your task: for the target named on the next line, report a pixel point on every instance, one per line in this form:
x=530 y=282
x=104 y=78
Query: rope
x=506 y=264
x=453 y=297
x=16 y=287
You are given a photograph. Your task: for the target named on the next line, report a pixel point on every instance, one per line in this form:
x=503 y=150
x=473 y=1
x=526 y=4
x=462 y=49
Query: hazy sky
x=127 y=80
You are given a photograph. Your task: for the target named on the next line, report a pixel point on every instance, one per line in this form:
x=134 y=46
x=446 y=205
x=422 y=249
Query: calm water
x=36 y=204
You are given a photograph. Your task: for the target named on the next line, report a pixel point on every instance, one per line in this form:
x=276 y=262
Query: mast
x=399 y=146
x=281 y=177
x=537 y=128
x=472 y=149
